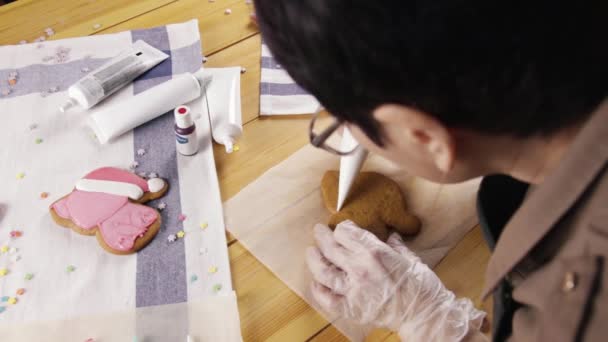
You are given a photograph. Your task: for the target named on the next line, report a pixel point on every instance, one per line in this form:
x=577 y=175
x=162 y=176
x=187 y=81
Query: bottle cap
x=183 y=119
x=67 y=105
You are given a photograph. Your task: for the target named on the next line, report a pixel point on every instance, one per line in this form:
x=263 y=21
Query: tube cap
x=67 y=105
x=228 y=144
x=183 y=119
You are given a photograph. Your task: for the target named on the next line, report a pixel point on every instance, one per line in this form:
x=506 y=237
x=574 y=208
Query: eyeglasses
x=321 y=140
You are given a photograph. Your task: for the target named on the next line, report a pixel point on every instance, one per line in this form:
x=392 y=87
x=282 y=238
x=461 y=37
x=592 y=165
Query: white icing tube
x=121 y=117
x=110 y=187
x=113 y=75
x=224 y=105
x=350 y=165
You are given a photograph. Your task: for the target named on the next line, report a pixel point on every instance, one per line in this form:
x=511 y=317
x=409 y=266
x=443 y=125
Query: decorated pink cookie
x=107 y=203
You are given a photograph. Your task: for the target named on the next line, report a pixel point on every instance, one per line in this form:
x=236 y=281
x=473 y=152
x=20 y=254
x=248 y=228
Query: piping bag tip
x=350 y=165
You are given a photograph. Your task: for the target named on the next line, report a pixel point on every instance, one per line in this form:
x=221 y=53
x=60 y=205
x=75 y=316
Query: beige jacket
x=554 y=248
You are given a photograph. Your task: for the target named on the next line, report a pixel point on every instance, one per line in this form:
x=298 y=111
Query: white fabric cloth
x=45 y=151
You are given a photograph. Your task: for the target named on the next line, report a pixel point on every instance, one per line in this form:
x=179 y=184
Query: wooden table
x=268 y=309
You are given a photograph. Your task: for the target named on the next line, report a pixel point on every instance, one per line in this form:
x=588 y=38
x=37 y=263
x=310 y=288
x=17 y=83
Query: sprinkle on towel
x=20 y=175
x=70 y=268
x=140 y=152
x=16 y=234
x=217 y=287
x=4 y=249
x=38 y=141
x=202 y=250
x=212 y=269
x=3 y=272
x=4 y=299
x=171 y=238
x=5 y=92
x=28 y=276
x=90 y=339
x=20 y=292
x=12 y=301
x=181 y=217
x=44 y=195
x=33 y=126
x=162 y=206
x=204 y=225
x=181 y=234
x=12 y=250
x=193 y=278
x=2 y=308
x=16 y=258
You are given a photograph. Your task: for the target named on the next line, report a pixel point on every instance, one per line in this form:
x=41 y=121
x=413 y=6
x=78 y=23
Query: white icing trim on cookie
x=110 y=187
x=156 y=184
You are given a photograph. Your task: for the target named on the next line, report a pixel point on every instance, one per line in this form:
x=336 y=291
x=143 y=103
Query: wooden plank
x=246 y=54
x=265 y=143
x=26 y=20
x=218 y=30
x=268 y=309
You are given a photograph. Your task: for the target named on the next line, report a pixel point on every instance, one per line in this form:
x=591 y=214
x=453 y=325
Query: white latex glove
x=359 y=277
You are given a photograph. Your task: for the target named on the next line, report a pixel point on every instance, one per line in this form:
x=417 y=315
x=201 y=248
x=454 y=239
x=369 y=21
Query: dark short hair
x=514 y=67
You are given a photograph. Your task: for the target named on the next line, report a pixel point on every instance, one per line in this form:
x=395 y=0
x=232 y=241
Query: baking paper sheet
x=273 y=217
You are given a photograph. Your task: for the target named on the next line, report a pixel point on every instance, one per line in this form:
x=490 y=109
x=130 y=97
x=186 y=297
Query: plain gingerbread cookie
x=107 y=203
x=375 y=203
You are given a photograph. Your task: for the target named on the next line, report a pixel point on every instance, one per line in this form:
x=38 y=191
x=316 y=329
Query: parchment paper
x=273 y=217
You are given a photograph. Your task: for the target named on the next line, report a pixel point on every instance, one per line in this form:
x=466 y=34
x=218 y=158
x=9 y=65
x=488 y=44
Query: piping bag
x=350 y=165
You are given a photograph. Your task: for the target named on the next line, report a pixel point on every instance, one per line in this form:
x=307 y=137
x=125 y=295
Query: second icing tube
x=223 y=105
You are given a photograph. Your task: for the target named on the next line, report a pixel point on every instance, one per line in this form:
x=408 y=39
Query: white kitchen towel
x=43 y=151
x=279 y=94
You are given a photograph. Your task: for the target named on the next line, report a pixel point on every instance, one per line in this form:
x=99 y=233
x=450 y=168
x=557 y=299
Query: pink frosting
x=121 y=222
x=88 y=209
x=130 y=222
x=118 y=175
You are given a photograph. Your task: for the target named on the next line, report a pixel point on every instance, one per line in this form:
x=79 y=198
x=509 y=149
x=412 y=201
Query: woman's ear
x=412 y=130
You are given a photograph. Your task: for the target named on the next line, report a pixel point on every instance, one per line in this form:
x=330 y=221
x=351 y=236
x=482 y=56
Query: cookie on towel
x=375 y=203
x=107 y=203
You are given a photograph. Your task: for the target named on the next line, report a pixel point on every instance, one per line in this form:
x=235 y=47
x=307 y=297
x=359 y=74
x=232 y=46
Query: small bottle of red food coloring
x=185 y=132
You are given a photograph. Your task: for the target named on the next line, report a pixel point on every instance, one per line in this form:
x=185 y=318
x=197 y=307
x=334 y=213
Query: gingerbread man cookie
x=375 y=203
x=107 y=203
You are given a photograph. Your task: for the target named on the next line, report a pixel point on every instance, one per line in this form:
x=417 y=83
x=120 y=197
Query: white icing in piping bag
x=350 y=165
